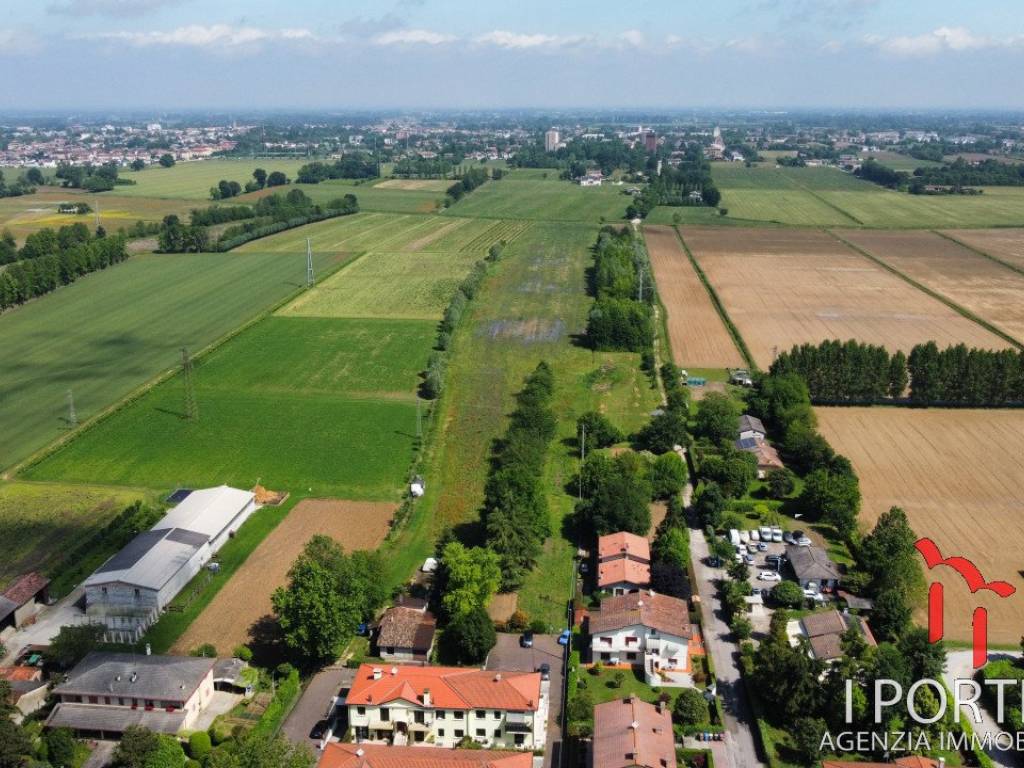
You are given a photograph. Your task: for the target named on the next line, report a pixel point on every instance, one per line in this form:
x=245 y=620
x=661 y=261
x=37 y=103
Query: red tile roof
x=20 y=674
x=25 y=588
x=904 y=762
x=402 y=627
x=337 y=755
x=623 y=544
x=450 y=687
x=630 y=732
x=650 y=609
x=621 y=571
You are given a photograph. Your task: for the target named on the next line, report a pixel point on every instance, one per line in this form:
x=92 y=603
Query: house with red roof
x=914 y=761
x=338 y=755
x=623 y=563
x=408 y=704
x=22 y=600
x=630 y=733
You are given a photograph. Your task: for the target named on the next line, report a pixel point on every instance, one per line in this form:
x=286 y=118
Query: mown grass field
x=530 y=308
x=326 y=405
x=543 y=200
x=374 y=198
x=40 y=521
x=192 y=180
x=112 y=331
x=348 y=234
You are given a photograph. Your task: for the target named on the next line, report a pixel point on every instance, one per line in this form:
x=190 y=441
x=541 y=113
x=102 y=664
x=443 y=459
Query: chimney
x=497 y=677
x=426 y=697
x=650 y=592
x=394 y=671
x=360 y=752
x=634 y=725
x=377 y=673
x=149 y=650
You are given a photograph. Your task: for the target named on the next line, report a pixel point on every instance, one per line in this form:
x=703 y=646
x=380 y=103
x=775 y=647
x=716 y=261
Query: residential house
x=108 y=692
x=406 y=632
x=339 y=755
x=405 y=704
x=642 y=628
x=21 y=601
x=630 y=732
x=751 y=436
x=128 y=592
x=623 y=563
x=824 y=632
x=813 y=568
x=751 y=427
x=28 y=689
x=914 y=761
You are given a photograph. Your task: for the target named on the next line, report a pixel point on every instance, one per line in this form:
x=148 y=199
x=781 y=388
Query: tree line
x=22 y=186
x=90 y=177
x=226 y=189
x=620 y=280
x=356 y=166
x=873 y=171
x=515 y=510
x=854 y=372
x=960 y=173
x=56 y=261
x=674 y=185
x=468 y=181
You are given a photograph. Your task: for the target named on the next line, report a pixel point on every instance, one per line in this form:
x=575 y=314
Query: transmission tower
x=309 y=264
x=191 y=407
x=72 y=414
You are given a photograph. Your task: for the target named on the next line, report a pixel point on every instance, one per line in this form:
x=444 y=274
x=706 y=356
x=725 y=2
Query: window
x=104 y=590
x=390 y=650
x=497 y=733
x=631 y=656
x=361 y=710
x=417 y=717
x=459 y=714
x=419 y=736
x=520 y=739
x=497 y=714
x=481 y=732
x=459 y=733
x=631 y=640
x=385 y=714
x=481 y=713
x=138 y=594
x=94 y=700
x=606 y=640
x=441 y=715
x=440 y=732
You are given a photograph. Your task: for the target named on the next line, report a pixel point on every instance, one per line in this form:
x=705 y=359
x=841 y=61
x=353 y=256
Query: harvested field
x=957 y=474
x=245 y=599
x=1004 y=244
x=991 y=291
x=785 y=287
x=698 y=336
x=423 y=242
x=416 y=185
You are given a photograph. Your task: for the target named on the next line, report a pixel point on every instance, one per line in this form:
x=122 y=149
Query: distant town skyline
x=179 y=54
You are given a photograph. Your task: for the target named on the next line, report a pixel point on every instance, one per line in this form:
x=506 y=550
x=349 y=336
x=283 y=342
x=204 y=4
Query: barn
x=128 y=592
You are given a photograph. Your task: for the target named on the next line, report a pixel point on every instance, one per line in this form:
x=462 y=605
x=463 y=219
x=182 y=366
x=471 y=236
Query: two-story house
x=406 y=704
x=642 y=628
x=623 y=563
x=629 y=733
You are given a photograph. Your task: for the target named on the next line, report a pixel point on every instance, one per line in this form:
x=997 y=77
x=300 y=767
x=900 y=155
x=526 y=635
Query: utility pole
x=419 y=419
x=310 y=279
x=191 y=407
x=640 y=288
x=583 y=456
x=72 y=414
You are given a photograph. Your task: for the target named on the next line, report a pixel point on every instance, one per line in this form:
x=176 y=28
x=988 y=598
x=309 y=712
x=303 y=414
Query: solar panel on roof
x=133 y=551
x=191 y=538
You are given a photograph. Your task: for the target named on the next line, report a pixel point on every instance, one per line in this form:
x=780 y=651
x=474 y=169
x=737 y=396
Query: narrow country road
x=741 y=749
x=959 y=665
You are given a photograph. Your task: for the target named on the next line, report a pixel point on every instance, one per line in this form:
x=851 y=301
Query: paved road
x=313 y=705
x=46 y=626
x=959 y=664
x=740 y=747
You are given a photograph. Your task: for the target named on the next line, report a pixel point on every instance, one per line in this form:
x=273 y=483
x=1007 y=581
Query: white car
x=803 y=541
x=766 y=533
x=755 y=535
x=751 y=547
x=815 y=595
x=776 y=534
x=744 y=537
x=769 y=576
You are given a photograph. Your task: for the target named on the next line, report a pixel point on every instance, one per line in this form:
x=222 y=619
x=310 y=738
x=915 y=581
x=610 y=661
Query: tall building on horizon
x=651 y=141
x=551 y=139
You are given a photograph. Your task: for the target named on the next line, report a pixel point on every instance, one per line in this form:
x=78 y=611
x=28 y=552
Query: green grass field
x=112 y=331
x=347 y=234
x=40 y=521
x=899 y=162
x=192 y=180
x=543 y=200
x=292 y=403
x=373 y=199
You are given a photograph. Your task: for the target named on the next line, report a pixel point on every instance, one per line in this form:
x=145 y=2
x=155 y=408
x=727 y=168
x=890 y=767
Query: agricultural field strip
x=696 y=332
x=1003 y=245
x=988 y=292
x=783 y=287
x=957 y=475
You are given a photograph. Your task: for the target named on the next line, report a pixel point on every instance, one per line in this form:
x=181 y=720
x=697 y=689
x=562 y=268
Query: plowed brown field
x=958 y=475
x=698 y=336
x=785 y=287
x=989 y=290
x=1005 y=244
x=245 y=599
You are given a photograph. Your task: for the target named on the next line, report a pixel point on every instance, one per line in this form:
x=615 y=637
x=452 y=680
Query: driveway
x=315 y=703
x=508 y=655
x=740 y=747
x=46 y=626
x=960 y=665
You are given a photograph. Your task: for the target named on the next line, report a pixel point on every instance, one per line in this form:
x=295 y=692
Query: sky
x=409 y=54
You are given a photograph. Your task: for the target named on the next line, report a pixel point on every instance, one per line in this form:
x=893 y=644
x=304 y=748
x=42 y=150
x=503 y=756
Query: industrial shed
x=128 y=592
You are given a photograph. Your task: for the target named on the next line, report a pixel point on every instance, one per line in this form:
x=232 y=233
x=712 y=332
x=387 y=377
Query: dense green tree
x=780 y=482
x=891 y=614
x=718 y=417
x=733 y=471
x=834 y=498
x=667 y=475
x=665 y=430
x=276 y=179
x=263 y=752
x=138 y=164
x=311 y=612
x=60 y=746
x=617 y=495
x=599 y=430
x=136 y=747
x=260 y=177
x=709 y=505
x=691 y=708
x=471 y=576
x=166 y=160
x=470 y=636
x=15 y=745
x=73 y=643
x=807 y=734
x=788 y=594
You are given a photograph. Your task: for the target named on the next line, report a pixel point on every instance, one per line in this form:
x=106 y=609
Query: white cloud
x=199 y=36
x=940 y=40
x=514 y=40
x=633 y=37
x=119 y=8
x=15 y=42
x=413 y=36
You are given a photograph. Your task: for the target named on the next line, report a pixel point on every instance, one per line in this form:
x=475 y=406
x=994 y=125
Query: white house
x=642 y=628
x=128 y=592
x=406 y=704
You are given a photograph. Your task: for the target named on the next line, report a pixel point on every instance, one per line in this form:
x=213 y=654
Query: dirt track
x=698 y=336
x=245 y=599
x=958 y=475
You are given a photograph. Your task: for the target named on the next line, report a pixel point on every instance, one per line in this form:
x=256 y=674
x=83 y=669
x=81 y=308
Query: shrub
x=199 y=745
x=242 y=652
x=600 y=432
x=691 y=708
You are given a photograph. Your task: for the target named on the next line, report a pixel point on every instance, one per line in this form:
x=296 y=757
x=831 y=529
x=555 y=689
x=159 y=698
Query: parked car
x=788 y=538
x=744 y=537
x=803 y=541
x=776 y=534
x=748 y=559
x=762 y=547
x=757 y=591
x=769 y=576
x=775 y=561
x=751 y=547
x=714 y=561
x=815 y=595
x=318 y=731
x=766 y=533
x=545 y=671
x=739 y=557
x=526 y=641
x=563 y=638
x=755 y=535
x=797 y=534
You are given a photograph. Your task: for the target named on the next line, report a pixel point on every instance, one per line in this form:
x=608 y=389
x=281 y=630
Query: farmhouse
x=592 y=179
x=338 y=755
x=406 y=632
x=766 y=455
x=824 y=632
x=813 y=568
x=642 y=628
x=128 y=592
x=630 y=732
x=405 y=704
x=751 y=428
x=22 y=600
x=28 y=689
x=623 y=563
x=108 y=692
